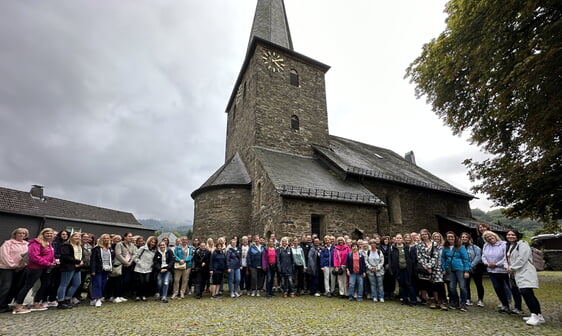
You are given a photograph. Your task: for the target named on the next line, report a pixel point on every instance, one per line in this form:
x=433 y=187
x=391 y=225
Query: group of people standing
x=430 y=269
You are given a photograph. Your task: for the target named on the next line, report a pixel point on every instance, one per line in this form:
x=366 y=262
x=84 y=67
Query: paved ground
x=293 y=316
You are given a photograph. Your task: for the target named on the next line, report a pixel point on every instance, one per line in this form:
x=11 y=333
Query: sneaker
x=92 y=302
x=164 y=300
x=137 y=298
x=463 y=308
x=21 y=311
x=533 y=320
x=64 y=305
x=52 y=304
x=517 y=311
x=539 y=316
x=443 y=307
x=469 y=303
x=381 y=300
x=75 y=301
x=232 y=295
x=98 y=303
x=237 y=294
x=117 y=300
x=253 y=293
x=38 y=307
x=375 y=300
x=480 y=303
x=257 y=293
x=175 y=296
x=143 y=298
x=317 y=294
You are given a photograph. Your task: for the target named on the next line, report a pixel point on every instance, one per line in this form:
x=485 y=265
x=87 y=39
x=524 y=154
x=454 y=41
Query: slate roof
x=270 y=23
x=306 y=177
x=233 y=173
x=473 y=223
x=21 y=202
x=356 y=158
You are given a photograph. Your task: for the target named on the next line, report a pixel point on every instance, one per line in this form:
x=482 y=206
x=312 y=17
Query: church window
x=295 y=123
x=294 y=77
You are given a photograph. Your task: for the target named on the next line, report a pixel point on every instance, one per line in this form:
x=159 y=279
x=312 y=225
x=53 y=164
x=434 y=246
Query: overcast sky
x=120 y=104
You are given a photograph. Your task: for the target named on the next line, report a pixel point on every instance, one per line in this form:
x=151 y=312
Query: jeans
x=98 y=284
x=72 y=278
x=271 y=271
x=287 y=284
x=500 y=281
x=457 y=277
x=377 y=288
x=163 y=281
x=233 y=280
x=355 y=282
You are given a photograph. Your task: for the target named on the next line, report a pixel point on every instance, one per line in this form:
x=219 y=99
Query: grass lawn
x=293 y=316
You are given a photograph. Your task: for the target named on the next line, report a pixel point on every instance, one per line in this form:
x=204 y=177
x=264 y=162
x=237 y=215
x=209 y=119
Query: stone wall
x=411 y=209
x=222 y=212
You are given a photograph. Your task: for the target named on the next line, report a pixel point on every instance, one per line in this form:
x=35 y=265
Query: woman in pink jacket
x=41 y=261
x=340 y=258
x=11 y=266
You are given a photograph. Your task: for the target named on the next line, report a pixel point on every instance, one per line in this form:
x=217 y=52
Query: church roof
x=270 y=23
x=306 y=177
x=356 y=158
x=232 y=173
x=23 y=203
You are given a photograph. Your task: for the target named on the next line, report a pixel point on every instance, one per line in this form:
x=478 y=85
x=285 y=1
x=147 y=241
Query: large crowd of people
x=66 y=269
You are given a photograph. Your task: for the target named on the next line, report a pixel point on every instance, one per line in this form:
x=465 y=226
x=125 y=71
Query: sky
x=120 y=104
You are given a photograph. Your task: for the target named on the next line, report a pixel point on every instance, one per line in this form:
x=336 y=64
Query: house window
x=294 y=77
x=73 y=229
x=295 y=123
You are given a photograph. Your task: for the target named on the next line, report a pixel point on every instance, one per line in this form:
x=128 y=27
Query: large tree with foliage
x=496 y=73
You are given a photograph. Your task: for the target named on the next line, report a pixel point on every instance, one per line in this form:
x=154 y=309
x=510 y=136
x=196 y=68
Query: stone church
x=285 y=173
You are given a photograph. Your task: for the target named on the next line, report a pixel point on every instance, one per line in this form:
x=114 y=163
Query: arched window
x=294 y=77
x=295 y=123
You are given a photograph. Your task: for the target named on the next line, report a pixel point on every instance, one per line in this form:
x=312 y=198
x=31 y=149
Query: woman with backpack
x=374 y=263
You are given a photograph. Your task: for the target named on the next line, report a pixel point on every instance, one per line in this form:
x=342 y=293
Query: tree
x=496 y=73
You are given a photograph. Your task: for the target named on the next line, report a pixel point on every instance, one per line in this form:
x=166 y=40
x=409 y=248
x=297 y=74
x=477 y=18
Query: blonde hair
x=442 y=241
x=15 y=232
x=41 y=238
x=100 y=241
x=491 y=233
x=75 y=234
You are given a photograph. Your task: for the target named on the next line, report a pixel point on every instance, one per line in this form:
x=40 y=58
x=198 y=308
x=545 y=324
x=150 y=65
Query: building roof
x=473 y=223
x=356 y=158
x=232 y=174
x=270 y=23
x=23 y=203
x=306 y=177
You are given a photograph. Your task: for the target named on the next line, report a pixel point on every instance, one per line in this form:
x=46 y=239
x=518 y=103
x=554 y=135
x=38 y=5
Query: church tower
x=279 y=99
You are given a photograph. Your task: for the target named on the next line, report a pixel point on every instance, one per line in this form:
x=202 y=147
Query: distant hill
x=166 y=225
x=496 y=217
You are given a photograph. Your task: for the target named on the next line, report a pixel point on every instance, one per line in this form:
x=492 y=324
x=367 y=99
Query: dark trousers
x=257 y=275
x=531 y=300
x=144 y=287
x=389 y=284
x=477 y=277
x=10 y=282
x=300 y=276
x=500 y=281
x=30 y=277
x=271 y=272
x=201 y=278
x=406 y=289
x=245 y=279
x=123 y=284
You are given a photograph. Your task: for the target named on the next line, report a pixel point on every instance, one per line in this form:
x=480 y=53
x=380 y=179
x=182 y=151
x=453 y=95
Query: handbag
x=179 y=266
x=339 y=271
x=447 y=275
x=116 y=271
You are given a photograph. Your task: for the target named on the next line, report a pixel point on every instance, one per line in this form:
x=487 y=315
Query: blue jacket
x=254 y=256
x=327 y=257
x=233 y=256
x=218 y=261
x=178 y=254
x=454 y=260
x=474 y=255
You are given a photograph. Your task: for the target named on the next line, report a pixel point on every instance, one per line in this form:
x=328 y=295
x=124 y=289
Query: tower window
x=294 y=77
x=295 y=123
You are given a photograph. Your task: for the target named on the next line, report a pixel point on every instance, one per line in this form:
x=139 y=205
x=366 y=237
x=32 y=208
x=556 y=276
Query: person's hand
x=466 y=275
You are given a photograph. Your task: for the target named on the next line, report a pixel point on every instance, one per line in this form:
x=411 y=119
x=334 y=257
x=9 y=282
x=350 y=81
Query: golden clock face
x=273 y=61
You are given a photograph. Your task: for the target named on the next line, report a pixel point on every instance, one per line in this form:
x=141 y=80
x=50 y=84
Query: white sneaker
x=122 y=299
x=75 y=301
x=533 y=320
x=98 y=303
x=258 y=293
x=480 y=303
x=117 y=300
x=539 y=316
x=469 y=303
x=53 y=304
x=381 y=300
x=317 y=294
x=92 y=302
x=233 y=295
x=253 y=293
